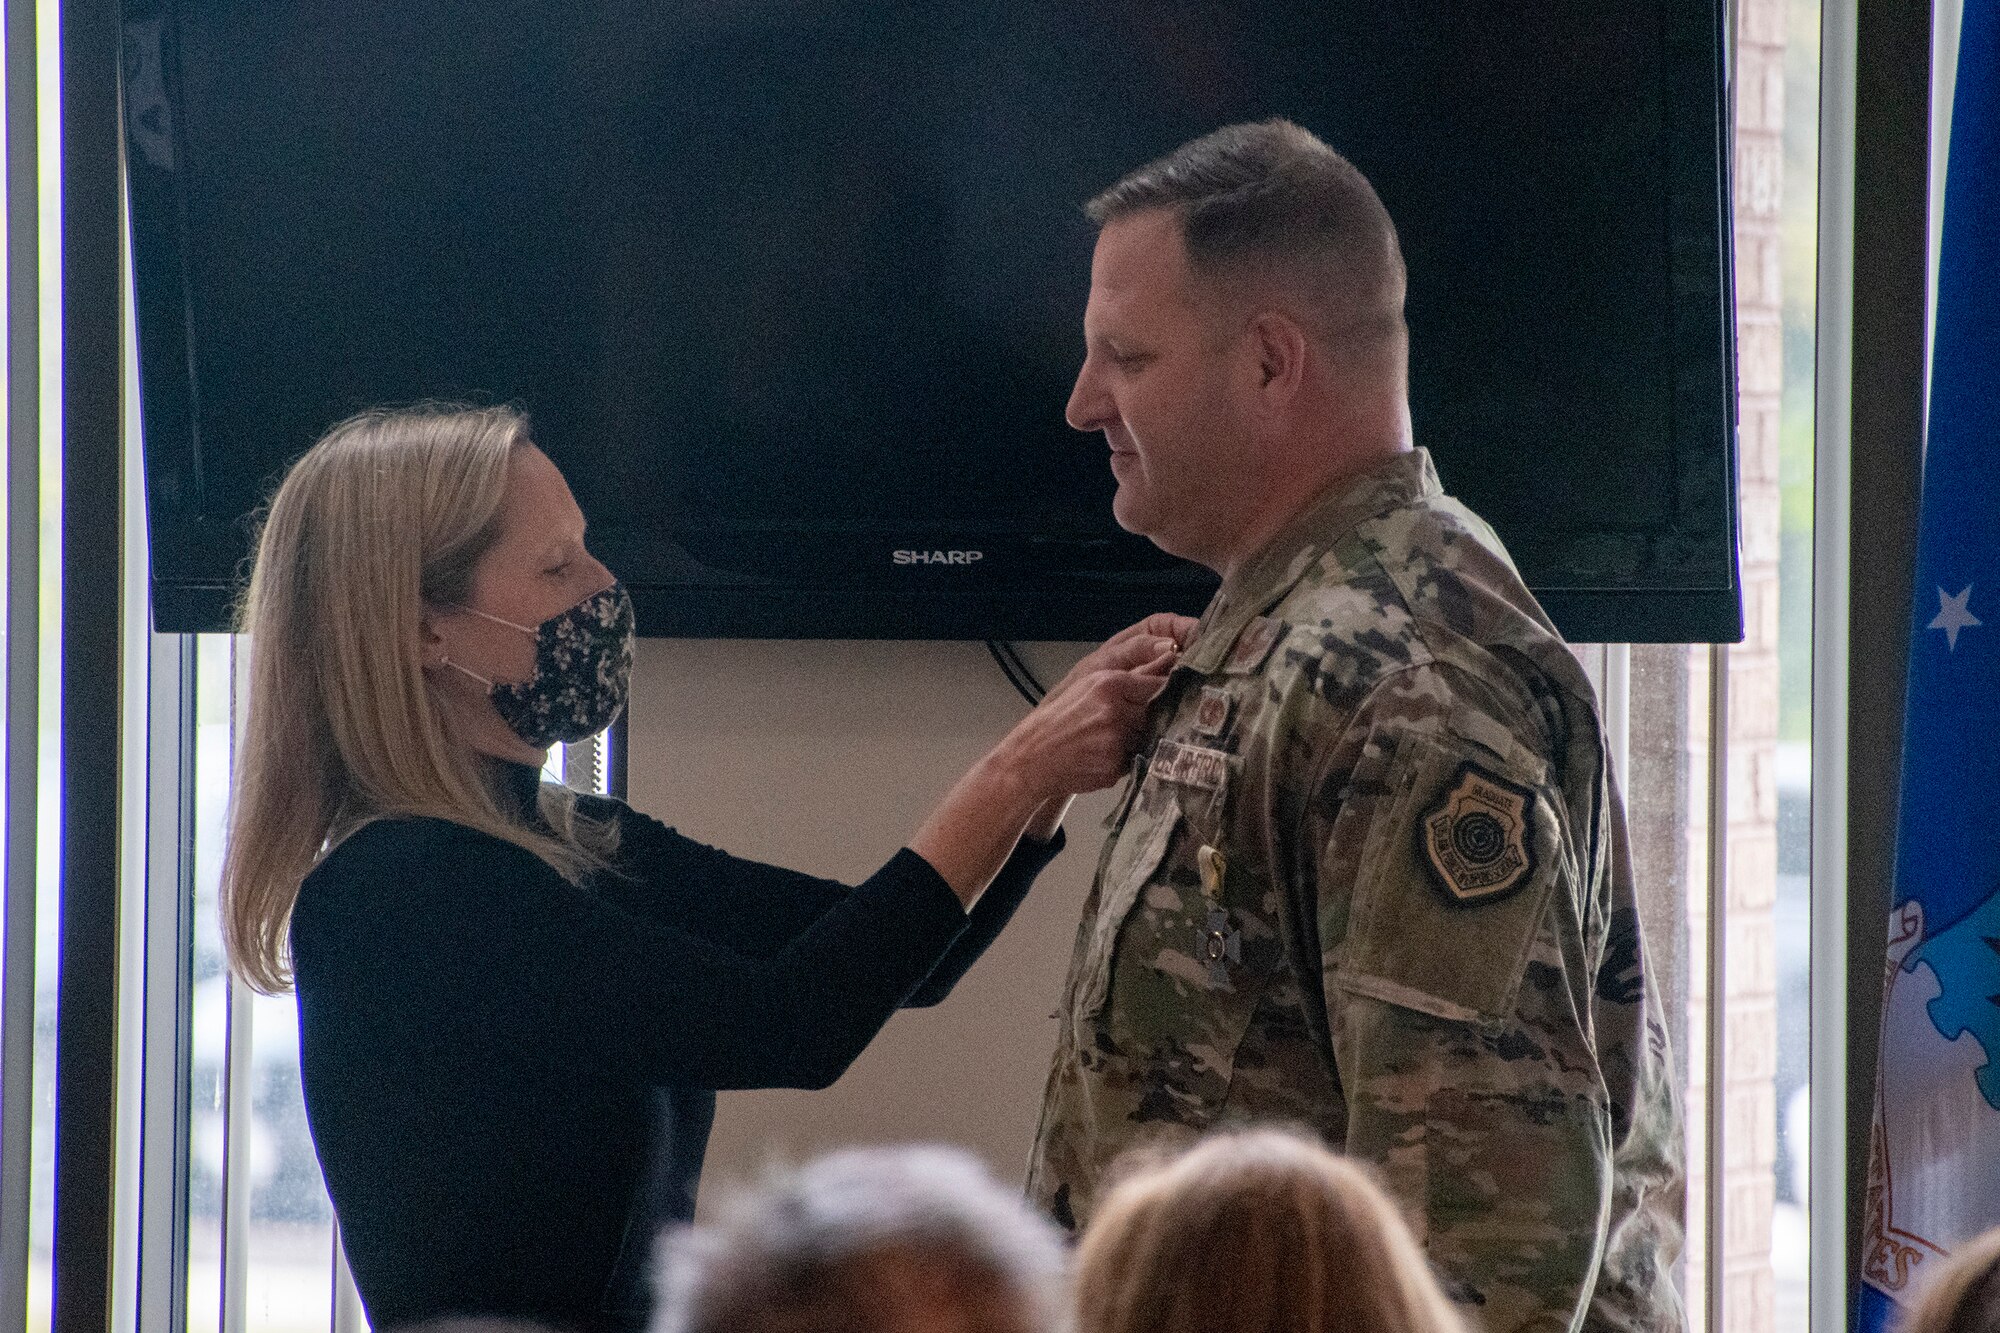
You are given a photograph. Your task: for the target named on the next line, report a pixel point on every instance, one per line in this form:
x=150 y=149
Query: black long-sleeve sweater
x=510 y=1079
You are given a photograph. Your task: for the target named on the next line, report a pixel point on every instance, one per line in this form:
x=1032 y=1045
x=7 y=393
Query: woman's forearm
x=1047 y=821
x=1079 y=738
x=973 y=830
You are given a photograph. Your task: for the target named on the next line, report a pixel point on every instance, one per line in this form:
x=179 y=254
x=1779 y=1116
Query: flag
x=1934 y=1160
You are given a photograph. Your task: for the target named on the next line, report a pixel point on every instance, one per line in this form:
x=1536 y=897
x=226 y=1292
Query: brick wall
x=1749 y=1109
x=1749 y=1097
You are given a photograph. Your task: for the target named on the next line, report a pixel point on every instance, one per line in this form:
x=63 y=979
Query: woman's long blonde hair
x=1255 y=1232
x=386 y=515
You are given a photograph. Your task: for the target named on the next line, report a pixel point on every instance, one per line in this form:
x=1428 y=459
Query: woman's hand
x=1079 y=738
x=1140 y=647
x=1133 y=648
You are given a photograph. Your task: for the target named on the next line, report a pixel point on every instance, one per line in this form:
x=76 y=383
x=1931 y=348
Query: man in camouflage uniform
x=1370 y=874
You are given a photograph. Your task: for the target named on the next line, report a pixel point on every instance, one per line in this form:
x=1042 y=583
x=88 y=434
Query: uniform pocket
x=1130 y=859
x=1454 y=879
x=1191 y=966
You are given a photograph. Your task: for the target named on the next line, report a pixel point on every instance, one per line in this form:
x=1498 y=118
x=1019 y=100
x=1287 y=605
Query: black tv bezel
x=1063 y=606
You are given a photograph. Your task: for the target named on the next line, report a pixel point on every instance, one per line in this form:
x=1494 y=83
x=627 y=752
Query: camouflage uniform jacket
x=1370 y=878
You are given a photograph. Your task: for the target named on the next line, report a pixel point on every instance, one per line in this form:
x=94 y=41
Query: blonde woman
x=515 y=1003
x=1961 y=1293
x=1255 y=1232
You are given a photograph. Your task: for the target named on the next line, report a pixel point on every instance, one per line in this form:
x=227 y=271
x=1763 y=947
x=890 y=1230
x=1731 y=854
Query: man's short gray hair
x=1270 y=199
x=875 y=1240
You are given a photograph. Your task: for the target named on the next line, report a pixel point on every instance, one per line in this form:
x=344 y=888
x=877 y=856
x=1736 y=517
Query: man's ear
x=1280 y=346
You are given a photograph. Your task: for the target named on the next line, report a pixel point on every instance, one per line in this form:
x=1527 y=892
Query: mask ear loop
x=465 y=671
x=483 y=615
x=528 y=630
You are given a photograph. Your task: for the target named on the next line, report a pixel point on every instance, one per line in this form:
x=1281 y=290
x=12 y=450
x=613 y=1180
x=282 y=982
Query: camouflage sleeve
x=1456 y=976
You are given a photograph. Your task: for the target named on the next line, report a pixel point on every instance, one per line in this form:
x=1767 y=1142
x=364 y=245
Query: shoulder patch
x=1476 y=837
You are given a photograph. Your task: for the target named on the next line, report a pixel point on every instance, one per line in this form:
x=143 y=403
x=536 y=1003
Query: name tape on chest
x=1476 y=836
x=1187 y=765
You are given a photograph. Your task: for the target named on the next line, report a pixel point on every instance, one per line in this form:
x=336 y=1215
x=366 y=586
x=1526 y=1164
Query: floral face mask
x=583 y=671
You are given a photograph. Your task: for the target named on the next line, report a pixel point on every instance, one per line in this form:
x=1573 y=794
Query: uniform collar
x=1266 y=577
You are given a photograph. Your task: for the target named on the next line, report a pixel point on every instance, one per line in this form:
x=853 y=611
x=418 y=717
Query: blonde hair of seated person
x=1255 y=1232
x=1961 y=1293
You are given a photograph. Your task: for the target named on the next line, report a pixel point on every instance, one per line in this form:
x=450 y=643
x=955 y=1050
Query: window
x=259 y=1245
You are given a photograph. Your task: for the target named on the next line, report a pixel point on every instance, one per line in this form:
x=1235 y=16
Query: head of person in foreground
x=873 y=1240
x=1262 y=1231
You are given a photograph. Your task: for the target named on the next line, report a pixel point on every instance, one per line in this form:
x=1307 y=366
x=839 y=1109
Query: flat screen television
x=791 y=286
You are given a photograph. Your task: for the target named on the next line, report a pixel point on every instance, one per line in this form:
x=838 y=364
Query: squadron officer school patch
x=1476 y=836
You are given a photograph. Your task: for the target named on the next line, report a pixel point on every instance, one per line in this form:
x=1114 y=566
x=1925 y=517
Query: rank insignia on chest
x=1217 y=946
x=1476 y=836
x=1211 y=712
x=1254 y=645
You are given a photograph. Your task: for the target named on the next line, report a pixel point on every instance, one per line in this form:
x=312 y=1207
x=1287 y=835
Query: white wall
x=826 y=756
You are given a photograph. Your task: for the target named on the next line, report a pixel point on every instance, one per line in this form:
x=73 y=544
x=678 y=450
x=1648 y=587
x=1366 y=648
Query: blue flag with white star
x=1934 y=1164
